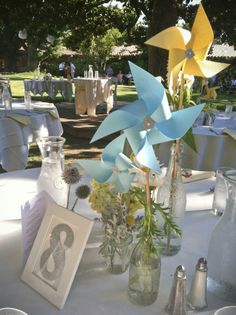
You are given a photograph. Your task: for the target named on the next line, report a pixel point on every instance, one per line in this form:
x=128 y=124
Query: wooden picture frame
x=56 y=253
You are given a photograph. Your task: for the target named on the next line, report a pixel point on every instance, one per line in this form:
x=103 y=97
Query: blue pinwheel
x=148 y=120
x=114 y=166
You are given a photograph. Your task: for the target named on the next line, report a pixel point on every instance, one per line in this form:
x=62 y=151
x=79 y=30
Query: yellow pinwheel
x=188 y=50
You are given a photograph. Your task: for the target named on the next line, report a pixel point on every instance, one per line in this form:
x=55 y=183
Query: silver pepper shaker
x=177 y=300
x=197 y=297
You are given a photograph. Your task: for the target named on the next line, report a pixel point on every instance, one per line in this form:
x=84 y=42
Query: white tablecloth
x=15 y=137
x=94 y=291
x=91 y=92
x=23 y=183
x=50 y=87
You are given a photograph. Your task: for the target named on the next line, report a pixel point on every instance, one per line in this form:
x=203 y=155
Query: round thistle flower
x=71 y=175
x=82 y=192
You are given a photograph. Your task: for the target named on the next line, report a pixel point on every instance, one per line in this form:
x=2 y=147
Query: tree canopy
x=76 y=22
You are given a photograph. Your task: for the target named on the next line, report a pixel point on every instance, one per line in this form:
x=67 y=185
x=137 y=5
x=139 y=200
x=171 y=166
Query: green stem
x=168 y=241
x=68 y=196
x=148 y=213
x=74 y=204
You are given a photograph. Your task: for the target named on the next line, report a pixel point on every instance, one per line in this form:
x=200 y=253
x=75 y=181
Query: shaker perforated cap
x=201 y=264
x=180 y=272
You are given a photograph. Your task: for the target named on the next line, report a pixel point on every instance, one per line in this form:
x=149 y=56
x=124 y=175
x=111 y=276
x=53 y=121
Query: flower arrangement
x=118 y=218
x=146 y=122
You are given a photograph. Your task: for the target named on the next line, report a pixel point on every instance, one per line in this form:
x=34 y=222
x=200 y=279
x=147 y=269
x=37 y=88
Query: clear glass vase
x=144 y=274
x=118 y=255
x=50 y=178
x=172 y=196
x=222 y=246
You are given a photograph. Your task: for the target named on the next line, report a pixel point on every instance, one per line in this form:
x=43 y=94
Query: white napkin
x=32 y=213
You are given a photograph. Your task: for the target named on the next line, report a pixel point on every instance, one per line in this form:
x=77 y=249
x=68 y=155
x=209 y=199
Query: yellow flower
x=130 y=220
x=188 y=50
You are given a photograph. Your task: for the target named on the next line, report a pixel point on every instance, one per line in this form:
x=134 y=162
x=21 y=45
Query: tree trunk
x=163 y=15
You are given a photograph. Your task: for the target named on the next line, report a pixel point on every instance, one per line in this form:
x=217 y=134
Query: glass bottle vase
x=221 y=279
x=172 y=196
x=50 y=178
x=144 y=274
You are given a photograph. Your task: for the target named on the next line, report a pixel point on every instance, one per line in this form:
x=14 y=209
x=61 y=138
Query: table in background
x=15 y=136
x=93 y=289
x=214 y=148
x=51 y=87
x=91 y=92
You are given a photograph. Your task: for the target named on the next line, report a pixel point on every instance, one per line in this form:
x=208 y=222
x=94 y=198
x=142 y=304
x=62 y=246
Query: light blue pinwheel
x=114 y=166
x=148 y=120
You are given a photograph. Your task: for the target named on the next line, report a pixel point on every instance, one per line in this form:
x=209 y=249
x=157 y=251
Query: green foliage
x=99 y=48
x=188 y=138
x=150 y=231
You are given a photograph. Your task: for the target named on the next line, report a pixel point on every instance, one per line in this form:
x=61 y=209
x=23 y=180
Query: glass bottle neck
x=174 y=162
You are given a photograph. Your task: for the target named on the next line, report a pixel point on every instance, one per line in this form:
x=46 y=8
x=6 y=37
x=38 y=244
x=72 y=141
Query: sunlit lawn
x=125 y=93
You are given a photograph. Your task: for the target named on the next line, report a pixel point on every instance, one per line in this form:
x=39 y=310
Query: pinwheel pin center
x=115 y=170
x=189 y=53
x=148 y=123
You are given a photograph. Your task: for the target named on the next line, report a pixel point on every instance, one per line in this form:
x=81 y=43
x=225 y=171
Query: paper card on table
x=198 y=175
x=32 y=213
x=56 y=253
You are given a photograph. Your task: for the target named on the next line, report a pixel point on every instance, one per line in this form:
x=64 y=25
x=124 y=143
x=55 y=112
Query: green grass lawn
x=125 y=93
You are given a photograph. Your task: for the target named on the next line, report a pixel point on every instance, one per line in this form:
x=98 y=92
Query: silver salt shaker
x=177 y=300
x=197 y=297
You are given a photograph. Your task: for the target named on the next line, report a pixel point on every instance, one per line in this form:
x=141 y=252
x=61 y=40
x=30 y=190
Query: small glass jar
x=219 y=198
x=27 y=100
x=118 y=257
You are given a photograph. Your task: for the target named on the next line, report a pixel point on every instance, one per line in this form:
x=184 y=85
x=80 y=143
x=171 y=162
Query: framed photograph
x=56 y=253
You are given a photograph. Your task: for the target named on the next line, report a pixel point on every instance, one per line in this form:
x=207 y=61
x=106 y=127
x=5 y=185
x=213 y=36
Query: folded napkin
x=230 y=132
x=22 y=119
x=47 y=109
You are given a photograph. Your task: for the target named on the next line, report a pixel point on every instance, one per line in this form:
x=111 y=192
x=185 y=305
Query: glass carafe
x=172 y=196
x=50 y=178
x=222 y=247
x=6 y=97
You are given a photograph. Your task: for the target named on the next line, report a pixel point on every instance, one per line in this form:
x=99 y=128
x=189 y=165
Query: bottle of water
x=90 y=72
